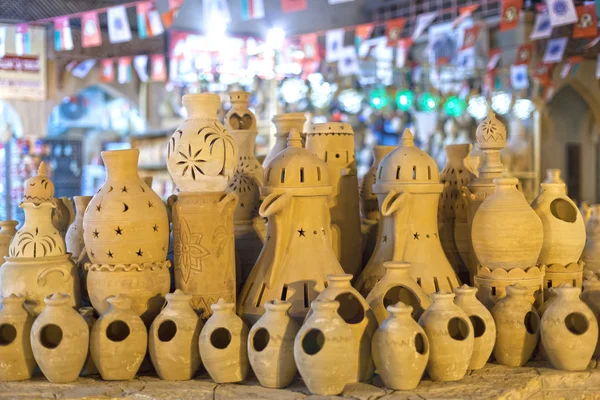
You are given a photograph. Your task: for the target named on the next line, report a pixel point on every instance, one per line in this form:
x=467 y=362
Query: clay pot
x=202 y=155
x=74 y=236
x=223 y=344
x=37 y=237
x=517 y=327
x=59 y=339
x=591 y=297
x=484 y=327
x=553 y=176
x=355 y=311
x=569 y=330
x=284 y=123
x=239 y=117
x=397 y=285
x=15 y=343
x=400 y=349
x=506 y=232
x=591 y=251
x=118 y=341
x=173 y=339
x=271 y=346
x=323 y=350
x=63 y=215
x=451 y=340
x=7 y=232
x=88 y=314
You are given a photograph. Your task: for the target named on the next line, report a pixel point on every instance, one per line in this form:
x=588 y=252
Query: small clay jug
x=173 y=339
x=569 y=330
x=89 y=315
x=484 y=327
x=355 y=311
x=15 y=343
x=324 y=350
x=400 y=349
x=517 y=327
x=59 y=339
x=271 y=345
x=223 y=344
x=119 y=341
x=8 y=229
x=74 y=236
x=591 y=297
x=397 y=285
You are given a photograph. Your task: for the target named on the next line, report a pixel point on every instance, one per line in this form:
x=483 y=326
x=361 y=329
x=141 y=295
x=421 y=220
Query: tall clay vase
x=88 y=314
x=355 y=311
x=15 y=343
x=451 y=339
x=118 y=341
x=7 y=232
x=569 y=330
x=173 y=339
x=591 y=297
x=284 y=123
x=484 y=327
x=59 y=339
x=271 y=346
x=223 y=344
x=74 y=236
x=397 y=285
x=400 y=349
x=517 y=327
x=323 y=350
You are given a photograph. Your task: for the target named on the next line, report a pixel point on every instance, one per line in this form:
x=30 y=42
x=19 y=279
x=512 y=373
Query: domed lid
x=39 y=188
x=56 y=299
x=222 y=305
x=400 y=308
x=491 y=133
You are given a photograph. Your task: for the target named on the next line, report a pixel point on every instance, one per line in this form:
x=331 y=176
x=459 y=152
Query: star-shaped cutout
x=150 y=205
x=139 y=253
x=92 y=254
x=124 y=189
x=384 y=238
x=96 y=233
x=109 y=254
x=460 y=171
x=301 y=232
x=98 y=207
x=241 y=204
x=119 y=230
x=416 y=236
x=155 y=227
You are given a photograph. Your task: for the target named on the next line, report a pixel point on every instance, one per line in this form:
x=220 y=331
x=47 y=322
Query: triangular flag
x=83 y=68
x=587 y=23
x=118 y=25
x=518 y=77
x=140 y=63
x=141 y=10
x=90 y=29
x=334 y=44
x=63 y=38
x=310 y=46
x=293 y=5
x=470 y=37
x=348 y=62
x=511 y=10
x=524 y=54
x=561 y=12
x=362 y=33
x=464 y=13
x=393 y=31
x=423 y=22
x=493 y=59
x=402 y=52
x=158 y=68
x=2 y=41
x=542 y=28
x=22 y=39
x=107 y=70
x=253 y=9
x=124 y=70
x=555 y=50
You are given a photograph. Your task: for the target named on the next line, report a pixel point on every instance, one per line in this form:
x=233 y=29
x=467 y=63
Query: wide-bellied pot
x=591 y=297
x=15 y=342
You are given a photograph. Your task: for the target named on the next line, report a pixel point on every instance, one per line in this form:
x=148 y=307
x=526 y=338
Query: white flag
x=542 y=29
x=562 y=12
x=348 y=62
x=156 y=25
x=118 y=25
x=2 y=41
x=598 y=68
x=423 y=22
x=555 y=48
x=83 y=68
x=518 y=77
x=334 y=44
x=140 y=63
x=566 y=70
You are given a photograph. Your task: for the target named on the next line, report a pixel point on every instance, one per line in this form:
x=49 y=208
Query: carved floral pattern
x=189 y=251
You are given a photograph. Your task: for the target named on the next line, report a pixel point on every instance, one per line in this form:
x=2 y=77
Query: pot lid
x=39 y=188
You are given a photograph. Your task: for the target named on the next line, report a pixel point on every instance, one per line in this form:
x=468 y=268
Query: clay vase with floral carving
x=451 y=338
x=271 y=346
x=17 y=362
x=223 y=344
x=284 y=123
x=59 y=339
x=7 y=232
x=517 y=327
x=324 y=350
x=74 y=236
x=569 y=330
x=118 y=341
x=88 y=314
x=484 y=327
x=173 y=339
x=400 y=349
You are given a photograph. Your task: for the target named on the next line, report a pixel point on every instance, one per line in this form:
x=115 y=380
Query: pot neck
x=201 y=105
x=339 y=281
x=121 y=163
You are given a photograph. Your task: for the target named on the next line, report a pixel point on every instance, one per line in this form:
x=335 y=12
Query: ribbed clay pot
x=15 y=343
x=400 y=349
x=591 y=297
x=89 y=315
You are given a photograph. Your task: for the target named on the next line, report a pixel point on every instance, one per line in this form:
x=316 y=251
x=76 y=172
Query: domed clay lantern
x=408 y=188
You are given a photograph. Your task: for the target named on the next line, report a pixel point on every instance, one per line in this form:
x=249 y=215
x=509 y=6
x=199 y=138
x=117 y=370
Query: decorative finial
x=42 y=169
x=407 y=138
x=294 y=139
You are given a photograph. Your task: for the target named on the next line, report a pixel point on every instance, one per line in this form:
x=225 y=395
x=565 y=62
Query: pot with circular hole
x=15 y=343
x=400 y=349
x=355 y=311
x=173 y=339
x=119 y=341
x=323 y=350
x=484 y=328
x=591 y=297
x=450 y=335
x=271 y=346
x=397 y=285
x=89 y=315
x=59 y=339
x=223 y=344
x=517 y=327
x=569 y=330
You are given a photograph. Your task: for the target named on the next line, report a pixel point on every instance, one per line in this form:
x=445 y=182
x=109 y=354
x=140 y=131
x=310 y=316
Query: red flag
x=542 y=73
x=107 y=70
x=310 y=46
x=293 y=5
x=393 y=31
x=511 y=10
x=90 y=29
x=362 y=33
x=524 y=54
x=587 y=22
x=464 y=13
x=470 y=38
x=158 y=68
x=493 y=59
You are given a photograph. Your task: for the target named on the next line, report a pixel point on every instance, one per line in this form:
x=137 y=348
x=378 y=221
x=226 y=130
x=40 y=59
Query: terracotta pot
x=118 y=341
x=284 y=123
x=507 y=233
x=239 y=117
x=569 y=330
x=395 y=286
x=271 y=346
x=484 y=327
x=223 y=344
x=74 y=236
x=517 y=327
x=37 y=237
x=59 y=339
x=88 y=314
x=591 y=297
x=202 y=155
x=492 y=284
x=451 y=340
x=334 y=143
x=17 y=363
x=323 y=350
x=591 y=251
x=400 y=349
x=7 y=232
x=173 y=339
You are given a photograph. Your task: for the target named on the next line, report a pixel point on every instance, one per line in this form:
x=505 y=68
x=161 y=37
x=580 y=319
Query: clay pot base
x=491 y=284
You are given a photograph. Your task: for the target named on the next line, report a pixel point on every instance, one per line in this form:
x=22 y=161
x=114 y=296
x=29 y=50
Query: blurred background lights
x=405 y=99
x=523 y=108
x=478 y=107
x=501 y=102
x=454 y=106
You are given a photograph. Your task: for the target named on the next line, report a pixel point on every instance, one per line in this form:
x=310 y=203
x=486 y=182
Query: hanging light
x=275 y=38
x=405 y=99
x=321 y=93
x=478 y=107
x=293 y=90
x=454 y=106
x=501 y=102
x=428 y=102
x=379 y=99
x=523 y=108
x=350 y=101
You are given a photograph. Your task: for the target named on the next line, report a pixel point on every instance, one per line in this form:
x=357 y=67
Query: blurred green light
x=454 y=107
x=428 y=102
x=405 y=99
x=379 y=99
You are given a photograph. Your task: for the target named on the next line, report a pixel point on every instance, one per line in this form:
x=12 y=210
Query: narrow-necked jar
x=17 y=358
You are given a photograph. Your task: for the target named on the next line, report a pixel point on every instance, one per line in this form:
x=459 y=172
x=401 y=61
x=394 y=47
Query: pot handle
x=393 y=202
x=467 y=195
x=66 y=275
x=227 y=200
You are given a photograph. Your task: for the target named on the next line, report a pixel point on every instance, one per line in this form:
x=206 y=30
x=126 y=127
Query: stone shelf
x=537 y=380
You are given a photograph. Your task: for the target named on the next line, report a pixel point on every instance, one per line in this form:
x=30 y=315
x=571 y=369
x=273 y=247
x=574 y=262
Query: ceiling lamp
x=478 y=107
x=523 y=108
x=501 y=102
x=405 y=99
